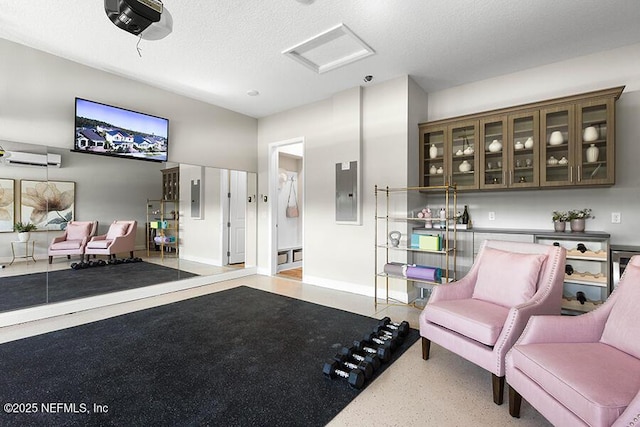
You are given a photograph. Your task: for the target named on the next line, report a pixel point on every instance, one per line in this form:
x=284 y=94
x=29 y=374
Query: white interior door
x=237 y=215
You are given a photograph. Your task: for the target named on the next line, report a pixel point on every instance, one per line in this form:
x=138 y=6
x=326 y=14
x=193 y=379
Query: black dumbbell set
x=101 y=263
x=357 y=363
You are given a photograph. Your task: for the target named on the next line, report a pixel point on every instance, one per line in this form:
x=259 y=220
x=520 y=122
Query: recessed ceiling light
x=253 y=92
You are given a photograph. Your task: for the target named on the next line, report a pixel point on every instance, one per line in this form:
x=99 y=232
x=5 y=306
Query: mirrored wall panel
x=75 y=225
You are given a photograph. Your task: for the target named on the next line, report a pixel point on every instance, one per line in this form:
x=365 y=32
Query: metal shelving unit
x=447 y=196
x=164 y=215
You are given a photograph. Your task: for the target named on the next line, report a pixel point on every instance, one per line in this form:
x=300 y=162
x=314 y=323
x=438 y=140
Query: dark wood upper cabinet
x=562 y=142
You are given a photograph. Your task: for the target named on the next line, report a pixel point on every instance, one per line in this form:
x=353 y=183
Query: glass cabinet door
x=595 y=143
x=493 y=152
x=432 y=153
x=462 y=155
x=557 y=155
x=524 y=150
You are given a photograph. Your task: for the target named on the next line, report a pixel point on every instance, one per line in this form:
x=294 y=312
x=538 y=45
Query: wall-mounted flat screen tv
x=118 y=132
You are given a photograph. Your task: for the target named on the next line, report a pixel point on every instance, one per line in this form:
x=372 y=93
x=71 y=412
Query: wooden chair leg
x=515 y=400
x=426 y=347
x=50 y=259
x=498 y=389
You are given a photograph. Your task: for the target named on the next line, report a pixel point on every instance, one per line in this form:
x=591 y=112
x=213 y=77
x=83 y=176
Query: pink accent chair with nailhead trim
x=583 y=370
x=121 y=237
x=74 y=240
x=480 y=316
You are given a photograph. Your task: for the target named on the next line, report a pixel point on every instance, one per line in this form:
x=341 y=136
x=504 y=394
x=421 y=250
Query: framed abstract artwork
x=7 y=205
x=47 y=204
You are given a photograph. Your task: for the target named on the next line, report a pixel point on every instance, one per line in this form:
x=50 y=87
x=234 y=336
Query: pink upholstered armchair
x=121 y=237
x=583 y=370
x=481 y=316
x=74 y=239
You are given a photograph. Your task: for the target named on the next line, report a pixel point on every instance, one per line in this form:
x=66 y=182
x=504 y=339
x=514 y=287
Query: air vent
x=329 y=50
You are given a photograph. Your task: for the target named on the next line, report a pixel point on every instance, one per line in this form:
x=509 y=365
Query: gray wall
x=335 y=255
x=37 y=106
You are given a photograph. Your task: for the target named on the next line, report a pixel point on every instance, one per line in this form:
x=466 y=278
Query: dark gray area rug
x=238 y=357
x=61 y=285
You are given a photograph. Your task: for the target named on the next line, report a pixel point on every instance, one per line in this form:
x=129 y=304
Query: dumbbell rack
x=358 y=363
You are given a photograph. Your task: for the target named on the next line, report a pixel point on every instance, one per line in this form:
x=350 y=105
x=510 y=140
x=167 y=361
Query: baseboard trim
x=209 y=261
x=353 y=288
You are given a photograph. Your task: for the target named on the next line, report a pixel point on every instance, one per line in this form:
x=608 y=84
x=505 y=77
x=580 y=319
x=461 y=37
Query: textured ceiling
x=221 y=49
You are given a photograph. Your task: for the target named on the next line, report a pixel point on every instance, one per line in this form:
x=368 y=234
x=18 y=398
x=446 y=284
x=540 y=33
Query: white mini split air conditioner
x=18 y=158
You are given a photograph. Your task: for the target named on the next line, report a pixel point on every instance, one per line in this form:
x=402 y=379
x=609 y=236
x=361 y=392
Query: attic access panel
x=329 y=50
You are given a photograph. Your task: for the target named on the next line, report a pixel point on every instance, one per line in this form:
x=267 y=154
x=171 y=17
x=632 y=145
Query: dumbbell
x=402 y=327
x=366 y=368
x=79 y=265
x=372 y=359
x=100 y=263
x=392 y=333
x=373 y=338
x=396 y=340
x=382 y=352
x=355 y=377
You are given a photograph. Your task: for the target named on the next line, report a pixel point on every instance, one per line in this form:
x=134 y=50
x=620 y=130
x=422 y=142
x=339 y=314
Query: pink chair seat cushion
x=117 y=230
x=476 y=319
x=622 y=329
x=593 y=380
x=507 y=278
x=66 y=245
x=99 y=244
x=77 y=231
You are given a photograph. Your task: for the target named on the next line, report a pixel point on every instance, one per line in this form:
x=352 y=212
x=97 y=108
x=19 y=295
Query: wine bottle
x=465 y=215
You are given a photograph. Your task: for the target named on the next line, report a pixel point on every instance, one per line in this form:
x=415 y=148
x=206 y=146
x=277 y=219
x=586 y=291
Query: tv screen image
x=113 y=131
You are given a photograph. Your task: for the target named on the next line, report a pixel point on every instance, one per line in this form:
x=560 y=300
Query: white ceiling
x=220 y=49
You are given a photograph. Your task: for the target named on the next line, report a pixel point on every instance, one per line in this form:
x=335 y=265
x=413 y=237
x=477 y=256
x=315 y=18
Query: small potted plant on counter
x=24 y=229
x=577 y=219
x=560 y=219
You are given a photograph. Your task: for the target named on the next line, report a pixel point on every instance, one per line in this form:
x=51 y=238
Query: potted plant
x=577 y=219
x=24 y=229
x=560 y=219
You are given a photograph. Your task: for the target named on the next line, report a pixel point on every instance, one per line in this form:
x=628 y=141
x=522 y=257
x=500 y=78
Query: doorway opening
x=233 y=196
x=286 y=191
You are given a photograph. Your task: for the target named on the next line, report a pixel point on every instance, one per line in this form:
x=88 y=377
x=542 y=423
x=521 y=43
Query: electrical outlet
x=616 y=218
x=492 y=216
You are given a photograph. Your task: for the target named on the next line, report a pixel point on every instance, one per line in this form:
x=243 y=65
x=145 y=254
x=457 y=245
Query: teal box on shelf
x=426 y=241
x=158 y=224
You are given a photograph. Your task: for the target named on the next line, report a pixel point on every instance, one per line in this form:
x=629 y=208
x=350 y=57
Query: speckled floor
x=446 y=390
